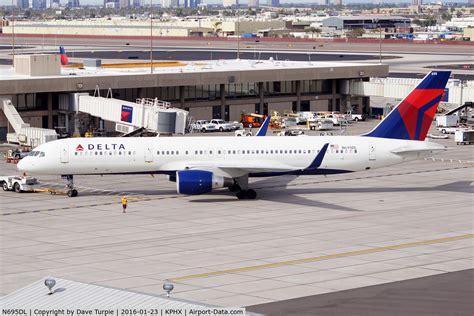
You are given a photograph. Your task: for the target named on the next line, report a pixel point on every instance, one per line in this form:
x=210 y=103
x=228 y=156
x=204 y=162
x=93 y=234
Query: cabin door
x=64 y=156
x=148 y=154
x=372 y=151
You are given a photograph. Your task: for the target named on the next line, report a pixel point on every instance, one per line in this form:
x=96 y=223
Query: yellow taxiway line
x=325 y=257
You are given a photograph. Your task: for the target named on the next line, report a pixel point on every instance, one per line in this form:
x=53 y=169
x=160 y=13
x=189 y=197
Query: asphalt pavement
x=444 y=295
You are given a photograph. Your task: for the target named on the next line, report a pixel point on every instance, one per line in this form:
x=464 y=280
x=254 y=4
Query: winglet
x=319 y=158
x=262 y=131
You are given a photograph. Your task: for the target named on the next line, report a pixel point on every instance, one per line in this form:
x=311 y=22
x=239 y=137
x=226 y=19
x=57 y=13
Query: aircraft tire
x=251 y=194
x=241 y=195
x=72 y=193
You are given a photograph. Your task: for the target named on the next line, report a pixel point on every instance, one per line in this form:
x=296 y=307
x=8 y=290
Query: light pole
x=151 y=36
x=238 y=31
x=379 y=24
x=13 y=34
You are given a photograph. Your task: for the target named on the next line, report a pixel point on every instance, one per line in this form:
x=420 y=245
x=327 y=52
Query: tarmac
x=302 y=237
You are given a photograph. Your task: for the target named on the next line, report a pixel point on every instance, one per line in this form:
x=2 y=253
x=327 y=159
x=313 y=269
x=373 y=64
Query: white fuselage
x=117 y=155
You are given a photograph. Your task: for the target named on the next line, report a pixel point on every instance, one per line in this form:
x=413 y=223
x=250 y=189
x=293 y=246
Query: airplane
x=199 y=165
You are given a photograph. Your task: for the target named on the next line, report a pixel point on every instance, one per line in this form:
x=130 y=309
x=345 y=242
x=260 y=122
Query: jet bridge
x=24 y=134
x=456 y=92
x=152 y=115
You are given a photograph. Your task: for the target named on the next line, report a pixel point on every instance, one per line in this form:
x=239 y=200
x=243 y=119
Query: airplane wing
x=232 y=169
x=238 y=168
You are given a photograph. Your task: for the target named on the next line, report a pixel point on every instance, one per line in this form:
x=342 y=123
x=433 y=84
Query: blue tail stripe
x=262 y=131
x=421 y=115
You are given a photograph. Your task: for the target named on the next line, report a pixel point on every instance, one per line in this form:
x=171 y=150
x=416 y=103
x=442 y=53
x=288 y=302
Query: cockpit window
x=41 y=154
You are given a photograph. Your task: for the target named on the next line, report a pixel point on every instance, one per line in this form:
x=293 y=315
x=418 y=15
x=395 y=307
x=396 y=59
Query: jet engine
x=194 y=182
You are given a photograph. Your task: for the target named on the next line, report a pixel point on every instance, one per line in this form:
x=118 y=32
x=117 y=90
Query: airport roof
x=71 y=294
x=189 y=74
x=370 y=17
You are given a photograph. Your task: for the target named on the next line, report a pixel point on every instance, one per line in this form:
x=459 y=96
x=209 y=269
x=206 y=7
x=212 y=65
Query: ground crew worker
x=124 y=203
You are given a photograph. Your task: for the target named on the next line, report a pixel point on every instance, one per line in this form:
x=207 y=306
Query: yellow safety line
x=325 y=257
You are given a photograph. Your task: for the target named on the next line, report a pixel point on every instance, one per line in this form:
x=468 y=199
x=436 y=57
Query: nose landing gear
x=70 y=191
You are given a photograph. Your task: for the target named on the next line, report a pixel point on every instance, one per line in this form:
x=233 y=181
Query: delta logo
x=101 y=147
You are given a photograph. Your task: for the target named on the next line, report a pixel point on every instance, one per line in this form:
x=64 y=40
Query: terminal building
x=367 y=22
x=209 y=89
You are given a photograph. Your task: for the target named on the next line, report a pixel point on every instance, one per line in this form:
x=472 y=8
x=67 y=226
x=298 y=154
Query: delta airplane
x=200 y=164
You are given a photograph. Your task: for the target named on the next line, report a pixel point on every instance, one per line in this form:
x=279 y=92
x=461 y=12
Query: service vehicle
x=354 y=117
x=19 y=183
x=450 y=130
x=447 y=120
x=16 y=154
x=204 y=126
x=243 y=132
x=464 y=137
x=251 y=120
x=222 y=126
x=321 y=125
x=62 y=132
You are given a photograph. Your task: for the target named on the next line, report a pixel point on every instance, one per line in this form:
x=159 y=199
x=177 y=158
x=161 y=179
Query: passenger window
x=200 y=152
x=100 y=153
x=187 y=152
x=96 y=153
x=158 y=152
x=110 y=153
x=75 y=153
x=129 y=153
x=219 y=152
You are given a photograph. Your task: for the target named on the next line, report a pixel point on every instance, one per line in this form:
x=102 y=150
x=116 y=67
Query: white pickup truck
x=19 y=183
x=222 y=125
x=204 y=126
x=354 y=116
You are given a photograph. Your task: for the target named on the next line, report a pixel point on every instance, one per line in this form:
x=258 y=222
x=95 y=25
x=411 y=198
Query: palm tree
x=313 y=30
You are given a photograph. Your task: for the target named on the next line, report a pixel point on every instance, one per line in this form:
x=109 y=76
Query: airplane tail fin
x=62 y=53
x=412 y=117
x=262 y=131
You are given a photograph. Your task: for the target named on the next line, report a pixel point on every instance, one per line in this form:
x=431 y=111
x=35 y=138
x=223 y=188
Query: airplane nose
x=23 y=165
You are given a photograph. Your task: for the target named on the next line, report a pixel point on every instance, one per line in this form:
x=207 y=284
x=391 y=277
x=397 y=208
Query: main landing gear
x=70 y=191
x=240 y=186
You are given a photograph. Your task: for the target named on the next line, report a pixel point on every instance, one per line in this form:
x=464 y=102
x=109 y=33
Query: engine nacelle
x=194 y=182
